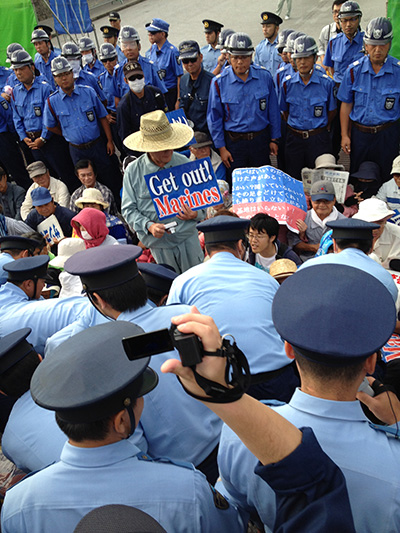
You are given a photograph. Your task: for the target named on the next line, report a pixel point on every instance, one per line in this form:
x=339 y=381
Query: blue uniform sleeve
x=345 y=93
x=311 y=492
x=177 y=65
x=274 y=116
x=215 y=115
x=18 y=122
x=49 y=120
x=101 y=111
x=282 y=97
x=328 y=56
x=332 y=103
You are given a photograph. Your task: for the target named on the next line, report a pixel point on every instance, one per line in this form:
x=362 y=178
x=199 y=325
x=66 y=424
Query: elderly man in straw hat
x=158 y=138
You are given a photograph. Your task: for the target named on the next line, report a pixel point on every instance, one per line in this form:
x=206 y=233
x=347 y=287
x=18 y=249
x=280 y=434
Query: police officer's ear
x=24 y=253
x=201 y=57
x=289 y=350
x=121 y=424
x=139 y=45
x=370 y=363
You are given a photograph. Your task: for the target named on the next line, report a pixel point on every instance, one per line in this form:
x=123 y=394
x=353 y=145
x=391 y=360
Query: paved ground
x=185 y=17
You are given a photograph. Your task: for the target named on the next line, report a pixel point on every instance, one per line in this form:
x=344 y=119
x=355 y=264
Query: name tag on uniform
x=318 y=110
x=90 y=115
x=38 y=111
x=263 y=104
x=161 y=73
x=389 y=102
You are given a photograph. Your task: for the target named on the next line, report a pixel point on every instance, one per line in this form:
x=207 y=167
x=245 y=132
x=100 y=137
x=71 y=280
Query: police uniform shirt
x=4 y=259
x=308 y=104
x=285 y=70
x=87 y=78
x=266 y=55
x=131 y=108
x=235 y=105
x=120 y=54
x=4 y=73
x=345 y=435
x=214 y=289
x=78 y=114
x=45 y=68
x=193 y=96
x=168 y=63
x=375 y=97
x=10 y=293
x=210 y=57
x=390 y=193
x=28 y=108
x=150 y=77
x=6 y=116
x=107 y=82
x=44 y=317
x=178 y=497
x=341 y=52
x=96 y=69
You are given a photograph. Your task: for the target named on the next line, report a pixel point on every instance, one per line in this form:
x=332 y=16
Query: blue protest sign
x=268 y=190
x=193 y=184
x=179 y=116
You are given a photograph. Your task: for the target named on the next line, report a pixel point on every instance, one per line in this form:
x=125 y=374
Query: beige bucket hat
x=91 y=196
x=157 y=134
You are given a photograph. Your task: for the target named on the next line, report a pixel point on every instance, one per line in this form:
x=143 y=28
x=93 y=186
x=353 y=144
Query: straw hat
x=91 y=196
x=157 y=134
x=281 y=268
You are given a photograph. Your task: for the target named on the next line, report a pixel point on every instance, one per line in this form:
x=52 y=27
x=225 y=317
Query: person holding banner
x=158 y=138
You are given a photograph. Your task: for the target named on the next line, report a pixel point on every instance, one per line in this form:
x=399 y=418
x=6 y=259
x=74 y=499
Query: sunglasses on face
x=191 y=60
x=107 y=60
x=136 y=77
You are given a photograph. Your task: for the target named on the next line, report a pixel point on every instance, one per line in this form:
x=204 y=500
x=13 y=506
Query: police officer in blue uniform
x=266 y=54
x=75 y=112
x=130 y=46
x=243 y=114
x=179 y=497
x=41 y=41
x=110 y=35
x=140 y=99
x=49 y=31
x=308 y=104
x=89 y=57
x=195 y=85
x=370 y=95
x=28 y=102
x=14 y=247
x=211 y=51
x=11 y=80
x=166 y=57
x=82 y=77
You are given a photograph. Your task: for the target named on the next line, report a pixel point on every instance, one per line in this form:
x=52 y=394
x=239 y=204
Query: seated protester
x=390 y=191
x=94 y=199
x=70 y=285
x=202 y=148
x=40 y=176
x=10 y=226
x=87 y=174
x=386 y=239
x=52 y=286
x=282 y=269
x=11 y=196
x=90 y=225
x=323 y=199
x=366 y=181
x=139 y=100
x=226 y=197
x=158 y=279
x=45 y=206
x=350 y=206
x=265 y=247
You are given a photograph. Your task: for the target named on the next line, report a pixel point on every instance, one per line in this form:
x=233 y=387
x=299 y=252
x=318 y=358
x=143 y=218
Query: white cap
x=372 y=210
x=66 y=248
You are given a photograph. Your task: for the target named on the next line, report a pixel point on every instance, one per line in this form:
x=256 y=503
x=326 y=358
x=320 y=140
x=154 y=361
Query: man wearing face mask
x=89 y=57
x=81 y=77
x=140 y=99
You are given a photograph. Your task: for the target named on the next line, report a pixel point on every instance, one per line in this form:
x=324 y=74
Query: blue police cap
x=104 y=267
x=40 y=196
x=116 y=517
x=211 y=25
x=223 y=228
x=270 y=18
x=90 y=377
x=16 y=242
x=188 y=50
x=109 y=31
x=13 y=348
x=157 y=277
x=334 y=314
x=157 y=25
x=27 y=268
x=350 y=228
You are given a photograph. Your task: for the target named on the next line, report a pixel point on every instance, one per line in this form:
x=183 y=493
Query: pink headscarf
x=94 y=222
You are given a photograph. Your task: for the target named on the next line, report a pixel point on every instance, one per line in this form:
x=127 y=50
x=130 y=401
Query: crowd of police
x=201 y=452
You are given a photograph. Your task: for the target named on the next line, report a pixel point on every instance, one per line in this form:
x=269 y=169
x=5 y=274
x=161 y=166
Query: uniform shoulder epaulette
x=150 y=60
x=44 y=82
x=171 y=46
x=398 y=63
x=280 y=69
x=288 y=77
x=326 y=76
x=261 y=66
x=355 y=63
x=218 y=76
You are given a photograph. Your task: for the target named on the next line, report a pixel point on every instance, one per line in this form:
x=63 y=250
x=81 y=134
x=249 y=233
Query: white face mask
x=137 y=86
x=85 y=235
x=76 y=66
x=88 y=58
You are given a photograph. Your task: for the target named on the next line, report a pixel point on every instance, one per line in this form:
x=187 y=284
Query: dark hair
x=363 y=245
x=36 y=236
x=345 y=374
x=264 y=222
x=16 y=380
x=85 y=163
x=3 y=172
x=129 y=296
x=225 y=212
x=14 y=252
x=220 y=246
x=97 y=430
x=338 y=3
x=155 y=295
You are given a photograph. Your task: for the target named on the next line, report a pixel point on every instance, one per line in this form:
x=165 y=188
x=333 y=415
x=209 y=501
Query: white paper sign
x=50 y=229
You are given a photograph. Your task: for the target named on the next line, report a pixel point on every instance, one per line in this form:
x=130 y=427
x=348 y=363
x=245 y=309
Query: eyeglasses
x=351 y=19
x=108 y=60
x=136 y=77
x=190 y=60
x=256 y=237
